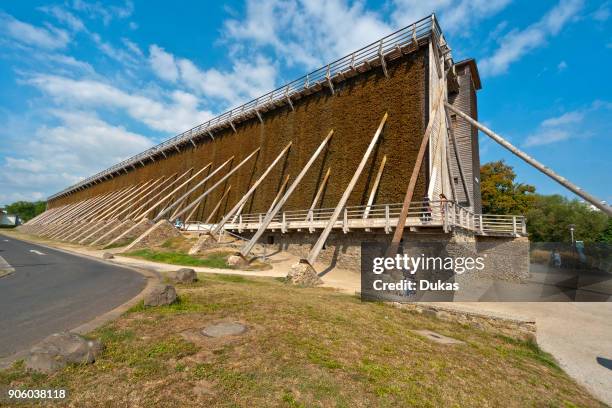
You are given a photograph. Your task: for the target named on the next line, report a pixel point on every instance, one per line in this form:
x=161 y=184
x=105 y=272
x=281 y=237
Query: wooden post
x=176 y=202
x=240 y=204
x=249 y=245
x=142 y=215
x=524 y=156
x=217 y=184
x=401 y=222
x=143 y=205
x=280 y=192
x=93 y=214
x=366 y=212
x=314 y=252
x=214 y=211
x=319 y=192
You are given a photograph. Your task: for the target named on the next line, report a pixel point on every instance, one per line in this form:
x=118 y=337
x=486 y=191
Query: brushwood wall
x=353 y=112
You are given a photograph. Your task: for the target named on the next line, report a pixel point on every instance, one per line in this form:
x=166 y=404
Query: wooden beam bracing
x=217 y=184
x=316 y=249
x=246 y=249
x=366 y=212
x=248 y=194
x=191 y=190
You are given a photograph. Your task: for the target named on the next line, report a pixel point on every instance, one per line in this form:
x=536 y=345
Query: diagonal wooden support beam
x=217 y=184
x=278 y=195
x=114 y=216
x=246 y=249
x=136 y=212
x=401 y=223
x=451 y=135
x=108 y=210
x=128 y=209
x=142 y=215
x=126 y=205
x=248 y=194
x=217 y=206
x=533 y=162
x=194 y=188
x=319 y=192
x=366 y=212
x=61 y=221
x=92 y=216
x=316 y=249
x=82 y=216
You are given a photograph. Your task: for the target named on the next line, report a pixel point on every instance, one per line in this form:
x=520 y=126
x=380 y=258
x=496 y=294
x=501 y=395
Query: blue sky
x=85 y=84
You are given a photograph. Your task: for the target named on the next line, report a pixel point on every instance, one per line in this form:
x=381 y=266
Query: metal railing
x=444 y=214
x=363 y=58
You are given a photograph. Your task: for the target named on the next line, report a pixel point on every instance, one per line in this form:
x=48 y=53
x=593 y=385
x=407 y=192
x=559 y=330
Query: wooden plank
x=374 y=187
x=280 y=192
x=319 y=192
x=240 y=204
x=533 y=162
x=168 y=196
x=401 y=222
x=204 y=180
x=316 y=249
x=246 y=249
x=217 y=184
x=137 y=211
x=216 y=209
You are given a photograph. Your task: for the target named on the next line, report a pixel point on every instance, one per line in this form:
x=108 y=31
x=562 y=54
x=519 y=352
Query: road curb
x=152 y=277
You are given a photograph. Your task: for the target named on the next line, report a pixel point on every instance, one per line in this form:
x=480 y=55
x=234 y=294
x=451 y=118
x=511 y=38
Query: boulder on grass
x=59 y=349
x=237 y=260
x=184 y=275
x=302 y=274
x=107 y=255
x=160 y=295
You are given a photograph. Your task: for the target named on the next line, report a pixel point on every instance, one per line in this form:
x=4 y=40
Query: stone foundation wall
x=506 y=258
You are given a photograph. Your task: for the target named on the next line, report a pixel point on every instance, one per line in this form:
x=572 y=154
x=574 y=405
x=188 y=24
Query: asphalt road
x=51 y=291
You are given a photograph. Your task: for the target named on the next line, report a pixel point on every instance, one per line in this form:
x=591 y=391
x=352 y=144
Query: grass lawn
x=213 y=260
x=304 y=347
x=175 y=251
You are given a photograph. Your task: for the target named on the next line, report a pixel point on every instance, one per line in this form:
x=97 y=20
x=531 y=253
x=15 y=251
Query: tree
x=550 y=218
x=26 y=210
x=500 y=194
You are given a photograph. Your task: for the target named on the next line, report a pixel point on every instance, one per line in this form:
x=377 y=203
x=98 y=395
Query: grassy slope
x=305 y=347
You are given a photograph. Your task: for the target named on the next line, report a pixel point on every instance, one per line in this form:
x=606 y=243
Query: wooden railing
x=444 y=214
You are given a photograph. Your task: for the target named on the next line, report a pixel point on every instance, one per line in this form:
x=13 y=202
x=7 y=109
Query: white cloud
x=517 y=43
x=107 y=13
x=113 y=52
x=56 y=156
x=565 y=119
x=65 y=17
x=546 y=136
x=307 y=32
x=48 y=37
x=163 y=63
x=245 y=80
x=580 y=123
x=454 y=15
x=178 y=114
x=562 y=66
